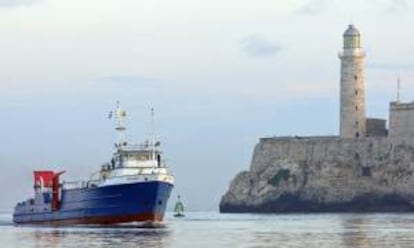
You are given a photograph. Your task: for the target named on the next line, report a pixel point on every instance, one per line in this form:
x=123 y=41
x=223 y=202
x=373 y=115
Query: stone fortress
x=367 y=168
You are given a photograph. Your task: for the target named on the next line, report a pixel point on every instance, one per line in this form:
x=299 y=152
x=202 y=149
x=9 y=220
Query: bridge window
x=158 y=160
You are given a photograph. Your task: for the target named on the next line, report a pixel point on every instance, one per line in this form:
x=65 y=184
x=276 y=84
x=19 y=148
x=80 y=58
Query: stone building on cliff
x=353 y=121
x=366 y=168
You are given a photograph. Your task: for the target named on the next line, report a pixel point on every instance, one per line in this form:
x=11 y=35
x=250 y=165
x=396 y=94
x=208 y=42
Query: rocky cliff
x=325 y=174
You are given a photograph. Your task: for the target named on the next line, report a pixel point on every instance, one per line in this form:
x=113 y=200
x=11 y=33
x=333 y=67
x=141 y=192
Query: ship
x=133 y=187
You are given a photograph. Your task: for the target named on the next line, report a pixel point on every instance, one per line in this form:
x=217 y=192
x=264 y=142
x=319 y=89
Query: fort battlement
x=365 y=151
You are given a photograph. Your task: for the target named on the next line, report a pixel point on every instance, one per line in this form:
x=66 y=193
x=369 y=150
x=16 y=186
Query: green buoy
x=179 y=208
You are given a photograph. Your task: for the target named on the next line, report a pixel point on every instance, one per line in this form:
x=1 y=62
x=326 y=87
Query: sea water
x=211 y=229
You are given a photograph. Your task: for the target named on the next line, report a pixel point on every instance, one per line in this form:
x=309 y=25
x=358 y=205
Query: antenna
x=398 y=88
x=120 y=117
x=152 y=134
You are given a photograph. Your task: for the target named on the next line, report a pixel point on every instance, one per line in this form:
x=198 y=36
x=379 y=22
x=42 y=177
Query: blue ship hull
x=140 y=201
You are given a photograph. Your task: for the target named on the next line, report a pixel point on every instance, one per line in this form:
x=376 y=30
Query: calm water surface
x=208 y=229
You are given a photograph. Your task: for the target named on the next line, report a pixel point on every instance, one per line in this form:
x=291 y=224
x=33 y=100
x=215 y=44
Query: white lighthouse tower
x=352 y=96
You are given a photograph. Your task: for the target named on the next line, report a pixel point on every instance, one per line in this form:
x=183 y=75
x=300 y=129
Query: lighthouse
x=352 y=86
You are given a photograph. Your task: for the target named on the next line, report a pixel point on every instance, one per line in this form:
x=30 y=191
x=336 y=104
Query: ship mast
x=120 y=117
x=152 y=134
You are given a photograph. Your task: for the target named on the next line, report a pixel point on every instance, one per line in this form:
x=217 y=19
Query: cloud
x=397 y=6
x=257 y=46
x=313 y=7
x=15 y=3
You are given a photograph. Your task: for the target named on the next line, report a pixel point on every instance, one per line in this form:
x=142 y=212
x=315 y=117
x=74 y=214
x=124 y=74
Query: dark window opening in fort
x=356 y=156
x=357 y=135
x=356 y=92
x=357 y=123
x=356 y=77
x=366 y=171
x=356 y=107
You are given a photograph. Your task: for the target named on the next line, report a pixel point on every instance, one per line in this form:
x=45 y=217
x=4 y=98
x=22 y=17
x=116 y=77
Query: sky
x=220 y=74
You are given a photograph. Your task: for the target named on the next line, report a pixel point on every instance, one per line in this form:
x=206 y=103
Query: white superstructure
x=130 y=163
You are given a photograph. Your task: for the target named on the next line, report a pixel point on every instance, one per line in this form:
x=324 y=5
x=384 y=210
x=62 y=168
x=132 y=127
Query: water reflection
x=377 y=230
x=356 y=231
x=98 y=237
x=214 y=230
x=295 y=230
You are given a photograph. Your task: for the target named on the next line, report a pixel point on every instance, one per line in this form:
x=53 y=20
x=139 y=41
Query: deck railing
x=97 y=178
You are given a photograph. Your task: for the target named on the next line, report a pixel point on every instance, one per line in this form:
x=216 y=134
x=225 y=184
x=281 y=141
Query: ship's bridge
x=137 y=156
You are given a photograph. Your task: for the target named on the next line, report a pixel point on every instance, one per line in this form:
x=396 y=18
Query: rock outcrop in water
x=325 y=174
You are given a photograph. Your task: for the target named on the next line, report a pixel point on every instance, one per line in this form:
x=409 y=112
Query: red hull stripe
x=100 y=220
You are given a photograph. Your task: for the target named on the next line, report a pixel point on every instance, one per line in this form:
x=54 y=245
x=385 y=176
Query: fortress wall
x=376 y=127
x=401 y=120
x=320 y=149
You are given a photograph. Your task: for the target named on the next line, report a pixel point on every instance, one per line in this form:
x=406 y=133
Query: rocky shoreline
x=289 y=175
x=289 y=203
